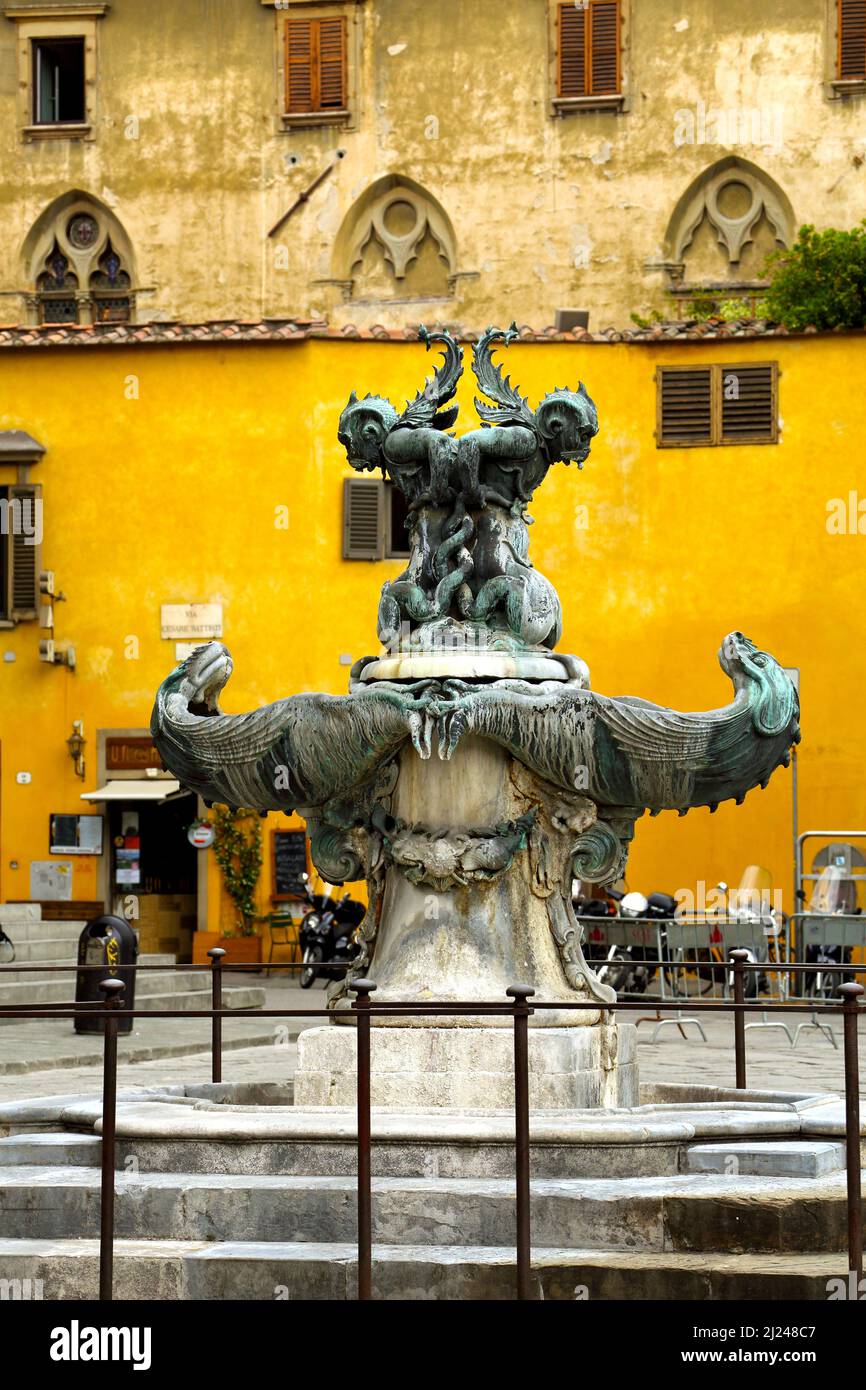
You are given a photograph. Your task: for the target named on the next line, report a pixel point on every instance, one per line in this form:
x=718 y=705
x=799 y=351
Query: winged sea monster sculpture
x=471 y=772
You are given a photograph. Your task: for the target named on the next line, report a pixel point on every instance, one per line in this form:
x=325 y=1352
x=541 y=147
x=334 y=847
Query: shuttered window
x=719 y=404
x=315 y=65
x=20 y=544
x=852 y=39
x=588 y=49
x=363 y=517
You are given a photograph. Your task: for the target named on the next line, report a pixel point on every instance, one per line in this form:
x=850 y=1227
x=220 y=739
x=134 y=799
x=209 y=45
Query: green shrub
x=820 y=281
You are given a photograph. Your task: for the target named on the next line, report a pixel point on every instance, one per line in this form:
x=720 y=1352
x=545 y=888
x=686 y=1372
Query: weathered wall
x=172 y=497
x=546 y=212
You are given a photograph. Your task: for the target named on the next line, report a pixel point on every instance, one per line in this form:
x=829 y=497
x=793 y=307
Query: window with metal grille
x=851 y=47
x=718 y=404
x=588 y=39
x=315 y=65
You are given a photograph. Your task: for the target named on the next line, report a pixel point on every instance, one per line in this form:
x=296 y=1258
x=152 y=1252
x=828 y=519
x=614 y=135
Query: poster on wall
x=74 y=834
x=51 y=880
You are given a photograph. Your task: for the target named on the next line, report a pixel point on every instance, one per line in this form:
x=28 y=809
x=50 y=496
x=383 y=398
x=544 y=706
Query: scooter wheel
x=308 y=974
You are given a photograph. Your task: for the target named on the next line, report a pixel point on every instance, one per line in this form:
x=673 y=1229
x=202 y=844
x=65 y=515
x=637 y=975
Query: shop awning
x=130 y=789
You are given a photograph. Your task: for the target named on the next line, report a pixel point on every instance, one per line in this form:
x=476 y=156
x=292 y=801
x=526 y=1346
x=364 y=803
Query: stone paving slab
x=812 y=1067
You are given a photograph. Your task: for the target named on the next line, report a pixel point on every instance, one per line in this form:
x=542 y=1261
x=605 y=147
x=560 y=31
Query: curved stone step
x=673 y=1214
x=171 y=1270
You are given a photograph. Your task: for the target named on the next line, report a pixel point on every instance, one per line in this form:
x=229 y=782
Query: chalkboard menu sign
x=289 y=855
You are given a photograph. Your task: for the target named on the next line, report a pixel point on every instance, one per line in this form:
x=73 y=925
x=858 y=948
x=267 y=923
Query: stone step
x=20 y=915
x=146 y=999
x=792 y=1158
x=43 y=1046
x=66 y=952
x=21 y=932
x=50 y=950
x=49 y=1150
x=37 y=989
x=688 y=1214
x=151 y=1270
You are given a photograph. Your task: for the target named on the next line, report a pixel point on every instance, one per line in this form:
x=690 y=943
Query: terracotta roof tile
x=103 y=335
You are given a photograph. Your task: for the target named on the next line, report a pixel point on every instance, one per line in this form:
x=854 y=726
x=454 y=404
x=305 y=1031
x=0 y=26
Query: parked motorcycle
x=834 y=895
x=627 y=969
x=642 y=962
x=752 y=905
x=327 y=935
x=763 y=937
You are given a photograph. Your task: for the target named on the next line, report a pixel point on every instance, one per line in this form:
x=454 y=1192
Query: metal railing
x=516 y=1006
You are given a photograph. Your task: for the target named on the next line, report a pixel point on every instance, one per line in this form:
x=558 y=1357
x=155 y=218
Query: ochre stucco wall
x=547 y=212
x=171 y=497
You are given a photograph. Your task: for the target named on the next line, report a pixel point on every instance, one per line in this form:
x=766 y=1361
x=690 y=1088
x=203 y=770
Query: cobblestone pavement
x=815 y=1065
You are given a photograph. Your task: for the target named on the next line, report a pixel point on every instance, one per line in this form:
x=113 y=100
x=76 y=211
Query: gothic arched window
x=57 y=289
x=396 y=242
x=109 y=287
x=80 y=261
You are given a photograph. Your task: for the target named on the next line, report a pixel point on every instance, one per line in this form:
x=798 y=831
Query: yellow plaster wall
x=171 y=496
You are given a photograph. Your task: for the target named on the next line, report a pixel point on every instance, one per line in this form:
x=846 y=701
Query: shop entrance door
x=154 y=871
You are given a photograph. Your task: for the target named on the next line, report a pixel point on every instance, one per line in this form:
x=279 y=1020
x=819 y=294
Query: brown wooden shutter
x=604 y=49
x=24 y=556
x=852 y=39
x=315 y=65
x=748 y=403
x=299 y=65
x=571 y=79
x=363 y=518
x=332 y=64
x=588 y=38
x=685 y=405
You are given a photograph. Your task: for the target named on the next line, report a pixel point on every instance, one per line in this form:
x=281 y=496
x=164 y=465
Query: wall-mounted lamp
x=75 y=744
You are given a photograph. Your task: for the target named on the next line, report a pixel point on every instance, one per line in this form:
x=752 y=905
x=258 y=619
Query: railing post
x=113 y=991
x=851 y=994
x=739 y=957
x=216 y=959
x=520 y=994
x=363 y=989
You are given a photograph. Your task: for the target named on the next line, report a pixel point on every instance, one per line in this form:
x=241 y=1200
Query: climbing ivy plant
x=238 y=850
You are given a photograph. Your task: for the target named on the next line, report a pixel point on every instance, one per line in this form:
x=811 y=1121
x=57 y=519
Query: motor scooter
x=327 y=935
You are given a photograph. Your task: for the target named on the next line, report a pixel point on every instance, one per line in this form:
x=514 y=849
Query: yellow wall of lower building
x=164 y=477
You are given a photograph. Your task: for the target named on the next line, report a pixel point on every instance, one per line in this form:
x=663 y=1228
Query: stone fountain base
x=468 y=1068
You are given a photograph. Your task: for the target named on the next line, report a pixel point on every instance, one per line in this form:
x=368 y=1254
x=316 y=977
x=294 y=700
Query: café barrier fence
x=516 y=1006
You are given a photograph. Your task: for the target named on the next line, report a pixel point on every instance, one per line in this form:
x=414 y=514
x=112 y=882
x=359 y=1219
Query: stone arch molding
x=368 y=219
x=53 y=224
x=701 y=200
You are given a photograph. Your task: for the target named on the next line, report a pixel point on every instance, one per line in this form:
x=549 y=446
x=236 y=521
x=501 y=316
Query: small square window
x=58 y=82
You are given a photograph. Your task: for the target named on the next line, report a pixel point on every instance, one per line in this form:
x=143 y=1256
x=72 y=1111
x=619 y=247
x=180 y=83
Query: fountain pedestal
x=465 y=913
x=424 y=1068
x=471 y=773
